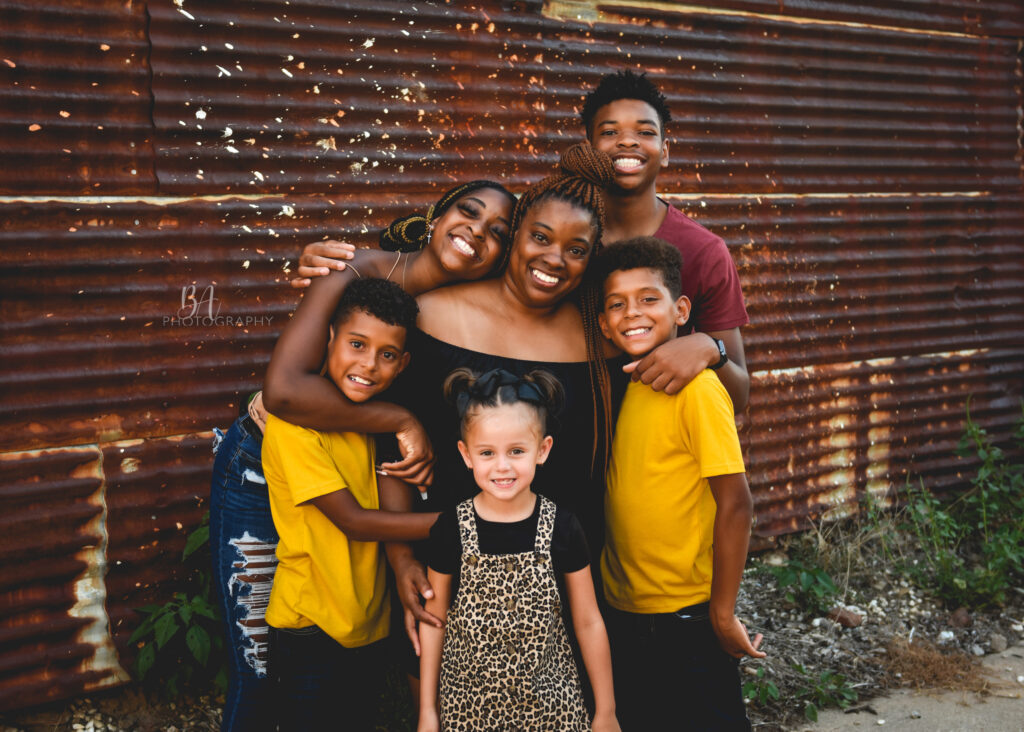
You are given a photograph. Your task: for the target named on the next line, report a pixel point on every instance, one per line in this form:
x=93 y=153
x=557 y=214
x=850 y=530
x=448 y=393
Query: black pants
x=318 y=684
x=671 y=673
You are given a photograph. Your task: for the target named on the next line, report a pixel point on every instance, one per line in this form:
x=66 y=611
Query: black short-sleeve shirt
x=569 y=552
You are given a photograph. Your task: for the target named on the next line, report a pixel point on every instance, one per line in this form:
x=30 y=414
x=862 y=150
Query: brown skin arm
x=733 y=514
x=319 y=258
x=410 y=575
x=368 y=524
x=674 y=364
x=295 y=391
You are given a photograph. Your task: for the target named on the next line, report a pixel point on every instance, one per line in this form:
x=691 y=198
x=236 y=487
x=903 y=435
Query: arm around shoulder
x=733 y=374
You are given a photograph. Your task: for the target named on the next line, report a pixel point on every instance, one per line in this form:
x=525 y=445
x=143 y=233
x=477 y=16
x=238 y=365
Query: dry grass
x=922 y=665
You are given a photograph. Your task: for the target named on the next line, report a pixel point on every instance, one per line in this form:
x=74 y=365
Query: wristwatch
x=723 y=356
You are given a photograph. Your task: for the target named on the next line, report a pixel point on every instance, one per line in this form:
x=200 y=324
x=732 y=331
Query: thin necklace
x=394 y=266
x=405 y=269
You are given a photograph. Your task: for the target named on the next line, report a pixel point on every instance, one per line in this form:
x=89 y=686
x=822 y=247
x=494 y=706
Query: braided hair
x=412 y=233
x=583 y=174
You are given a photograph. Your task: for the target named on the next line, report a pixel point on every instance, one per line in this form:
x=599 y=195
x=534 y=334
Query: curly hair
x=412 y=233
x=382 y=299
x=624 y=84
x=641 y=252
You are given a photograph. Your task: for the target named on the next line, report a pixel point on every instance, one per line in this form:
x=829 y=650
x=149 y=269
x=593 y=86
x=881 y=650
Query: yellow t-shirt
x=659 y=511
x=323 y=578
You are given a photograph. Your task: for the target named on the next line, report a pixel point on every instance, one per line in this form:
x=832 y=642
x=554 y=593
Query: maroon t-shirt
x=709 y=275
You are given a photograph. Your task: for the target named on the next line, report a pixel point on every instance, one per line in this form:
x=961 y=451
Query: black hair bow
x=485 y=388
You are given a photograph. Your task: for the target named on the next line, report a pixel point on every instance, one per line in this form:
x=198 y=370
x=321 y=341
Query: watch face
x=723 y=356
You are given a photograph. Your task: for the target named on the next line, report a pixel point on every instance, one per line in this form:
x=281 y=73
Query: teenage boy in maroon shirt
x=625 y=116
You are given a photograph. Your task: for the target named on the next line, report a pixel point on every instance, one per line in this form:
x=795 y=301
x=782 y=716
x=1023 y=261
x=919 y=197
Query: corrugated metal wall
x=863 y=161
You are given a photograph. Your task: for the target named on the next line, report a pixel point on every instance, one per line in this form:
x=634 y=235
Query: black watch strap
x=723 y=356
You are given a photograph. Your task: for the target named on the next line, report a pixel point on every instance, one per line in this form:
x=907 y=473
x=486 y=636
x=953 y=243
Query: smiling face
x=629 y=131
x=470 y=236
x=503 y=447
x=639 y=312
x=365 y=355
x=550 y=253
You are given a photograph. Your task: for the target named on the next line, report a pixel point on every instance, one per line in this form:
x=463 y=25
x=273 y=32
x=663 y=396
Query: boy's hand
x=429 y=721
x=675 y=363
x=733 y=637
x=605 y=723
x=417 y=464
x=411 y=583
x=319 y=258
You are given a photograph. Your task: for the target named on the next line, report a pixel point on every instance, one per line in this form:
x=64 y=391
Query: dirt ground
x=1001 y=709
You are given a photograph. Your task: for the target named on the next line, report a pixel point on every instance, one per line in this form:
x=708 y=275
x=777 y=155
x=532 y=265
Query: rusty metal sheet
x=53 y=623
x=975 y=17
x=74 y=98
x=156 y=493
x=250 y=99
x=132 y=319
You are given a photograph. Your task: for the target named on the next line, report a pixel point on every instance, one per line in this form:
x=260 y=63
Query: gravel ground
x=905 y=638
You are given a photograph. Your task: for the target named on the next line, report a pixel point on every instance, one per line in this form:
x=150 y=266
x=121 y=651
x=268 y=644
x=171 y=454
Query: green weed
x=973 y=546
x=827 y=689
x=180 y=642
x=806 y=586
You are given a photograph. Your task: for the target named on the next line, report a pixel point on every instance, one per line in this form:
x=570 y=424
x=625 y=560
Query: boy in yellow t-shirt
x=328 y=610
x=678 y=513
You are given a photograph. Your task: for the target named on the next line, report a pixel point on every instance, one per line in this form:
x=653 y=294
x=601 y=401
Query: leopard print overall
x=506 y=663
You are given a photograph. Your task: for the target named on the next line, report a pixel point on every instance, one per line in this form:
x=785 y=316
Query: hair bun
x=407 y=234
x=584 y=161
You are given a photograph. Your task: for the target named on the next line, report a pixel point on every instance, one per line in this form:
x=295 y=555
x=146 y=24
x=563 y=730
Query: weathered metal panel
x=385 y=97
x=74 y=98
x=862 y=161
x=975 y=17
x=54 y=639
x=95 y=321
x=157 y=490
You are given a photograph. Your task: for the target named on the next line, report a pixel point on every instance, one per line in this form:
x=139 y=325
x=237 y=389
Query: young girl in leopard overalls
x=503 y=660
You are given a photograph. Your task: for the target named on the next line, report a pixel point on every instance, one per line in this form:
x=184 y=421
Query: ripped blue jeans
x=242 y=545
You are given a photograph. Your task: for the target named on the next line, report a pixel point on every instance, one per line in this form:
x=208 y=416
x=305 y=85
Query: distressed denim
x=242 y=546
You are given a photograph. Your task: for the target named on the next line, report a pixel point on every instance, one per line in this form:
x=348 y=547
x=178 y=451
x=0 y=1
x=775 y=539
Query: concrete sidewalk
x=943 y=711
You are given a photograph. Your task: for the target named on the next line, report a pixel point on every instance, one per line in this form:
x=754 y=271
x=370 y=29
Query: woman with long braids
x=461 y=237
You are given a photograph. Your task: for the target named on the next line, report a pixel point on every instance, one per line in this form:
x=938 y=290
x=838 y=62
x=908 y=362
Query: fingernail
x=423 y=496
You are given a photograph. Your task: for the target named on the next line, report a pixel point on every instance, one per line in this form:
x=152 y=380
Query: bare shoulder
x=373 y=262
x=448 y=312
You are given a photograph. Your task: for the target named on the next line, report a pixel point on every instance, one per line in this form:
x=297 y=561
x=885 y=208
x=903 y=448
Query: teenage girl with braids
x=462 y=236
x=503 y=660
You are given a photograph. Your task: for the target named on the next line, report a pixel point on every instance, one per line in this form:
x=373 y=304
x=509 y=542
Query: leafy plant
x=805 y=585
x=827 y=689
x=973 y=545
x=180 y=642
x=761 y=690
